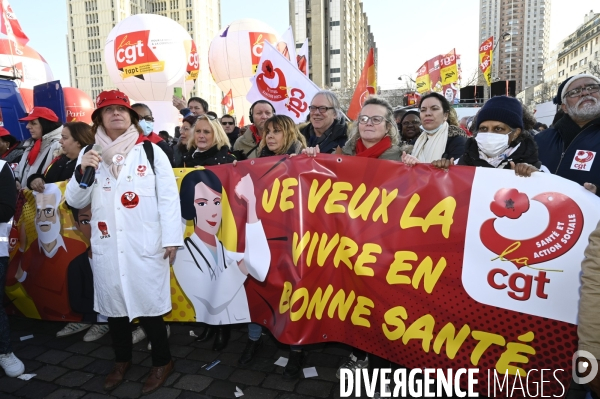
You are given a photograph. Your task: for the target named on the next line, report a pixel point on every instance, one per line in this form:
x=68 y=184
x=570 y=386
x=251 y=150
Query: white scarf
x=429 y=148
x=502 y=159
x=122 y=145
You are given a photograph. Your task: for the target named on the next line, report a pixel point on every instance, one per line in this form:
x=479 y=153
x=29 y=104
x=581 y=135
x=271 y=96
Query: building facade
x=339 y=39
x=579 y=52
x=90 y=22
x=521 y=56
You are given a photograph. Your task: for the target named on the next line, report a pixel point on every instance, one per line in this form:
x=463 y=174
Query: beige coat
x=589 y=304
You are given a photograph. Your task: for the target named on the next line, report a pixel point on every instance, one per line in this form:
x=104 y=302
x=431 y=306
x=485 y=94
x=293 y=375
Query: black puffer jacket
x=335 y=136
x=211 y=157
x=526 y=153
x=60 y=169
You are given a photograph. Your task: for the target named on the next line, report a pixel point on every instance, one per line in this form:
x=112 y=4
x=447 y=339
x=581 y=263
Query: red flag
x=367 y=84
x=228 y=103
x=9 y=25
x=242 y=123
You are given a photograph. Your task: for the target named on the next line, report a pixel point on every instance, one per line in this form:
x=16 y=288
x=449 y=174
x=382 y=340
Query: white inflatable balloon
x=233 y=57
x=30 y=66
x=146 y=56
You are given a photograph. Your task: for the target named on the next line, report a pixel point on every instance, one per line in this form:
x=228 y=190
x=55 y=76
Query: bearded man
x=44 y=265
x=569 y=148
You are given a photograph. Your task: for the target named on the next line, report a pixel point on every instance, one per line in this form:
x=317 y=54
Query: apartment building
x=579 y=52
x=90 y=22
x=339 y=38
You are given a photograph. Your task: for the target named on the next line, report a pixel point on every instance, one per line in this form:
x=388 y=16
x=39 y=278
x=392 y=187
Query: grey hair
x=391 y=124
x=334 y=101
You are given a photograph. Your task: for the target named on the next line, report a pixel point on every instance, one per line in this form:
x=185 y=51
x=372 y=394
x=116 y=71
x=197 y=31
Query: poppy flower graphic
x=509 y=202
x=268 y=70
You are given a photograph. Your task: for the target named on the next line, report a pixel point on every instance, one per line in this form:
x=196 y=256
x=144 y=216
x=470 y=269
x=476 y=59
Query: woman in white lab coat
x=211 y=276
x=136 y=229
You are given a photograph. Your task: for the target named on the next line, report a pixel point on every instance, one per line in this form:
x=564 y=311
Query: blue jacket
x=559 y=160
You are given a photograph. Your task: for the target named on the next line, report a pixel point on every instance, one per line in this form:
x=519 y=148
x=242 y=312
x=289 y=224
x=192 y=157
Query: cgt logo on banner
x=193 y=65
x=516 y=245
x=134 y=56
x=257 y=40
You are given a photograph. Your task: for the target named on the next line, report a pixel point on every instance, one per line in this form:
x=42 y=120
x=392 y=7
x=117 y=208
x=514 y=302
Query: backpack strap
x=149 y=153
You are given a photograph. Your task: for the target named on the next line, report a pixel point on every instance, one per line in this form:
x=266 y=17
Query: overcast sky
x=407 y=32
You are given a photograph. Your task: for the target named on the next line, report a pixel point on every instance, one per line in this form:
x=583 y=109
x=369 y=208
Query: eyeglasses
x=376 y=120
x=48 y=212
x=407 y=123
x=227 y=123
x=147 y=118
x=593 y=88
x=321 y=109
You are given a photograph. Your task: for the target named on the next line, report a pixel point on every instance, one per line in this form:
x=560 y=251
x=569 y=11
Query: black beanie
x=502 y=109
x=558 y=99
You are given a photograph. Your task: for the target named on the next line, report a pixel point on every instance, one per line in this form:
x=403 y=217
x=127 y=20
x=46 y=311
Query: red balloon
x=78 y=105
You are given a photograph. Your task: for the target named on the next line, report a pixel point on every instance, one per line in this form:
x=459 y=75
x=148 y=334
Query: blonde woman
x=208 y=144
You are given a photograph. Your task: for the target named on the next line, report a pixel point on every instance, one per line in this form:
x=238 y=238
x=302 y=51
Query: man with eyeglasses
x=570 y=148
x=232 y=131
x=147 y=124
x=327 y=127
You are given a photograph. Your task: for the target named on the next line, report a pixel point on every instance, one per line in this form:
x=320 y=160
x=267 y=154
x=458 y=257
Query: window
x=188 y=14
x=336 y=51
x=334 y=70
x=188 y=3
x=334 y=80
x=334 y=23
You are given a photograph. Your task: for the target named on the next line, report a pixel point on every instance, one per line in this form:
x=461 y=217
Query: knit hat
x=502 y=109
x=557 y=99
x=569 y=82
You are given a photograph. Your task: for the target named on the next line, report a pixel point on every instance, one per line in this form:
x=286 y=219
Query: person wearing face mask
x=442 y=137
x=147 y=125
x=501 y=141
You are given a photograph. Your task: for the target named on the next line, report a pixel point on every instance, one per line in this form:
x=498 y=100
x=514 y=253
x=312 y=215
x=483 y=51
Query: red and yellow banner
x=449 y=71
x=227 y=102
x=486 y=58
x=424 y=267
x=366 y=86
x=423 y=80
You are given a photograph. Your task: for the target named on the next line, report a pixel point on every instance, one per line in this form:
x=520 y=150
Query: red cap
x=112 y=97
x=4 y=132
x=41 y=112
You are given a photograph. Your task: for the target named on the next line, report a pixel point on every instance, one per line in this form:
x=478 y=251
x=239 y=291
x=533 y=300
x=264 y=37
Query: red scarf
x=375 y=151
x=35 y=151
x=255 y=134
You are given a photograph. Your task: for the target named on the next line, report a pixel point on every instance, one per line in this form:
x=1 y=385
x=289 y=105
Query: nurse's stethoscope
x=213 y=275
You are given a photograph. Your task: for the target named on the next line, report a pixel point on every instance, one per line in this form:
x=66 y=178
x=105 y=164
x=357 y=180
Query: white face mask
x=146 y=127
x=492 y=144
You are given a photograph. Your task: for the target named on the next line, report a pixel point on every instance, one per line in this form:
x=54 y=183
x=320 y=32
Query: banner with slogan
x=435 y=77
x=423 y=82
x=486 y=58
x=366 y=86
x=449 y=71
x=470 y=268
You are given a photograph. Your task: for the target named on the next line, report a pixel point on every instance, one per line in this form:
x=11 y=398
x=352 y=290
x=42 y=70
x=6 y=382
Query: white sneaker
x=168 y=335
x=72 y=328
x=353 y=364
x=11 y=364
x=138 y=334
x=96 y=332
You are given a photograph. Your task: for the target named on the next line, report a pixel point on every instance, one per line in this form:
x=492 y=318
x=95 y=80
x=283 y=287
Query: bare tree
x=594 y=65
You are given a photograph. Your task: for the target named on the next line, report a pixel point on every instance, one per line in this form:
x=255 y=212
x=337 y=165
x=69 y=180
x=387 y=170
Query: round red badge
x=130 y=199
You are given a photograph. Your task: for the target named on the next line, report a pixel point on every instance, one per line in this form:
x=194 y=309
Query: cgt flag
x=227 y=102
x=9 y=25
x=242 y=122
x=302 y=58
x=367 y=84
x=449 y=71
x=423 y=81
x=485 y=59
x=286 y=45
x=280 y=82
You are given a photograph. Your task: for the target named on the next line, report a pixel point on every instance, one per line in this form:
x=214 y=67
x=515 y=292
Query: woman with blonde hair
x=208 y=144
x=281 y=137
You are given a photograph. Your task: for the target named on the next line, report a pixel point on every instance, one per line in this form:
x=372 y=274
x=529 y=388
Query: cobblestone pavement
x=70 y=368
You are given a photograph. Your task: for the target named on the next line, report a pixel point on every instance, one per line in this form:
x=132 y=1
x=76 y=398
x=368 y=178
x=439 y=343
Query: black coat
x=335 y=136
x=526 y=153
x=60 y=170
x=233 y=136
x=80 y=284
x=211 y=157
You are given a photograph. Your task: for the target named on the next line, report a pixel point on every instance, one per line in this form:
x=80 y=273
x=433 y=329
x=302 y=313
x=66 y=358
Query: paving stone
x=83 y=348
x=247 y=377
x=229 y=359
x=187 y=366
x=77 y=362
x=220 y=371
x=292 y=396
x=50 y=372
x=74 y=379
x=61 y=343
x=31 y=365
x=321 y=360
x=164 y=393
x=192 y=395
x=99 y=366
x=338 y=349
x=171 y=379
x=235 y=347
x=135 y=372
x=327 y=374
x=64 y=393
x=96 y=384
x=276 y=381
x=128 y=389
x=262 y=364
x=9 y=384
x=180 y=351
x=53 y=356
x=259 y=393
x=36 y=389
x=203 y=355
x=182 y=339
x=312 y=387
x=221 y=389
x=103 y=352
x=196 y=383
x=97 y=396
x=30 y=352
x=139 y=357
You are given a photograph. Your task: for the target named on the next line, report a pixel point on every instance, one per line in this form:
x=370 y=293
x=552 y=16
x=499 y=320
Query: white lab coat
x=131 y=278
x=217 y=291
